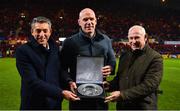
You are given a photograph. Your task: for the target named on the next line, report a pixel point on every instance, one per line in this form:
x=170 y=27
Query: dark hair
x=41 y=19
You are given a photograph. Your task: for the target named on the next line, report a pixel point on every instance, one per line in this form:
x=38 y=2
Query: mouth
x=136 y=46
x=88 y=28
x=41 y=39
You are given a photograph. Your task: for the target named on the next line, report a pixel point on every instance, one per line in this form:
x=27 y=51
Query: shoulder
x=153 y=55
x=22 y=47
x=70 y=42
x=153 y=52
x=21 y=50
x=71 y=38
x=106 y=37
x=102 y=36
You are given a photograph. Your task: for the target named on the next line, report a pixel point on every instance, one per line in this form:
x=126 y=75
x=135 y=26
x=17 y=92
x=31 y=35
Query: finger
x=109 y=97
x=106 y=67
x=73 y=95
x=74 y=85
x=72 y=89
x=105 y=82
x=106 y=88
x=107 y=101
x=106 y=73
x=74 y=98
x=105 y=70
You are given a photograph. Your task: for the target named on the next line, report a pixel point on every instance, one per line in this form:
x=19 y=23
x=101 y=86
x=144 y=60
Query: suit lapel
x=37 y=56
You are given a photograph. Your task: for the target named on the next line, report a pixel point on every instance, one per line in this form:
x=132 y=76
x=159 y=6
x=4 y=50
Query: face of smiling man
x=136 y=37
x=41 y=32
x=87 y=21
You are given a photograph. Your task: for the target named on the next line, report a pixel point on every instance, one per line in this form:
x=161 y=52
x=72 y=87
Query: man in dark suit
x=39 y=66
x=139 y=74
x=87 y=42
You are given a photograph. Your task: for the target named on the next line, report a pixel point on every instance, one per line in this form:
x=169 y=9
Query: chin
x=42 y=43
x=135 y=49
x=89 y=31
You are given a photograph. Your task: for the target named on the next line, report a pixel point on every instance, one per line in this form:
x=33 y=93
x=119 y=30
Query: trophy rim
x=90 y=89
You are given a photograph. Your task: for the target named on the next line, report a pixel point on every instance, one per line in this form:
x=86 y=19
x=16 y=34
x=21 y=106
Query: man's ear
x=51 y=30
x=146 y=38
x=31 y=31
x=79 y=22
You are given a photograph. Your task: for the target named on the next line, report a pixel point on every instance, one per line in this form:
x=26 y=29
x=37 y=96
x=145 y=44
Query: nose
x=89 y=21
x=41 y=33
x=133 y=41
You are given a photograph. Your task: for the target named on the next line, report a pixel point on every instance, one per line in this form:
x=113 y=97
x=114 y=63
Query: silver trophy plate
x=90 y=90
x=89 y=69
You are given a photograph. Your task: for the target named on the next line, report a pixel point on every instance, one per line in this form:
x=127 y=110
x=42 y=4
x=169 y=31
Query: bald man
x=87 y=42
x=139 y=75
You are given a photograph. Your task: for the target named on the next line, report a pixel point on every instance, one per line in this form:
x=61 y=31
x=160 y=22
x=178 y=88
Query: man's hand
x=73 y=86
x=106 y=70
x=68 y=95
x=106 y=85
x=114 y=96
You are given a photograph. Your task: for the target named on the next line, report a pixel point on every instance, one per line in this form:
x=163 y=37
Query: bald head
x=87 y=21
x=86 y=11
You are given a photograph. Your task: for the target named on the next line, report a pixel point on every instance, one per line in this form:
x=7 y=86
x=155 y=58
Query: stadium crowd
x=162 y=26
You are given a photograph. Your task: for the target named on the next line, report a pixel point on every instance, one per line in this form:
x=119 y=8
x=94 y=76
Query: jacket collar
x=140 y=51
x=35 y=44
x=97 y=37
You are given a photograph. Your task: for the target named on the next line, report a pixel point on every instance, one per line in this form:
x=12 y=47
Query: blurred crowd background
x=161 y=19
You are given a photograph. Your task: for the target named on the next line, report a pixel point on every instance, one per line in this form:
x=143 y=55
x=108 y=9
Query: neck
x=46 y=46
x=90 y=35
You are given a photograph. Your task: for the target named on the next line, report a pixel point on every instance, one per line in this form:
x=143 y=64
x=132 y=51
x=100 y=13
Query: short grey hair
x=141 y=28
x=40 y=19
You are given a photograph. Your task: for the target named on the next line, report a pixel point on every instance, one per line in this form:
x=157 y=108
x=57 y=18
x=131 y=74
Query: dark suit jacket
x=41 y=76
x=79 y=44
x=139 y=75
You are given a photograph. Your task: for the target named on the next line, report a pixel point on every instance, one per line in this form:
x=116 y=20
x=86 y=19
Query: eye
x=85 y=19
x=137 y=37
x=130 y=38
x=91 y=19
x=38 y=30
x=45 y=30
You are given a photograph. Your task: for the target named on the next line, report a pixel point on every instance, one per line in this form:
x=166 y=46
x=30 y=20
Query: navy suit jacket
x=41 y=76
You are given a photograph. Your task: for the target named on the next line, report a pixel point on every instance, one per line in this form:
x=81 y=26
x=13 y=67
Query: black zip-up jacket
x=79 y=44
